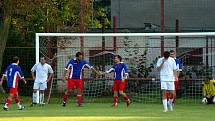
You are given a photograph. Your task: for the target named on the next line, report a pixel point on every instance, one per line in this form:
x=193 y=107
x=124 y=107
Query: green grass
x=104 y=112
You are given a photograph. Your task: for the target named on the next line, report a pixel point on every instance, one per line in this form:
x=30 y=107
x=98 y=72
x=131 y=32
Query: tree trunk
x=4 y=30
x=3 y=37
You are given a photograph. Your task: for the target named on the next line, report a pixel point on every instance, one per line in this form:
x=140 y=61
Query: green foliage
x=138 y=66
x=101 y=14
x=202 y=71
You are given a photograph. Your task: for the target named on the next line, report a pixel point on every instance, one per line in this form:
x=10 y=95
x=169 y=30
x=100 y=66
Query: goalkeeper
x=208 y=91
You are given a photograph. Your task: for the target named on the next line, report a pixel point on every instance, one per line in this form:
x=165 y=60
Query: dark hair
x=171 y=51
x=78 y=54
x=15 y=59
x=43 y=57
x=118 y=56
x=166 y=54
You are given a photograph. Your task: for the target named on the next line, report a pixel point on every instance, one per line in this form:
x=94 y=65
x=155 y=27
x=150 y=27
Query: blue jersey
x=178 y=64
x=120 y=70
x=13 y=73
x=76 y=68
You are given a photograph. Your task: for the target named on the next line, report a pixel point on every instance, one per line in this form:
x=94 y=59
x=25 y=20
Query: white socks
x=170 y=104
x=165 y=104
x=34 y=97
x=41 y=98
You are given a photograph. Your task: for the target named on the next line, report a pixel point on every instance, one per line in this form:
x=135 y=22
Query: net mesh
x=140 y=53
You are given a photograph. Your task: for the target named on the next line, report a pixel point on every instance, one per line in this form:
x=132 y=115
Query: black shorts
x=210 y=100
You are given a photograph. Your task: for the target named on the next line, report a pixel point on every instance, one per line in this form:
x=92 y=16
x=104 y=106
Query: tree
x=6 y=8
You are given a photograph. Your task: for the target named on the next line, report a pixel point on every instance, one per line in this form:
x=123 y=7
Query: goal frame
x=38 y=35
x=180 y=34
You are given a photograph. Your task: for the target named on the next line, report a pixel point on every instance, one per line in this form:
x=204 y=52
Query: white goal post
x=140 y=52
x=38 y=35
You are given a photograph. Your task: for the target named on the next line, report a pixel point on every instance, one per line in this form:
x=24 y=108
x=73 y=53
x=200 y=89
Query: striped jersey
x=75 y=67
x=178 y=64
x=13 y=73
x=119 y=70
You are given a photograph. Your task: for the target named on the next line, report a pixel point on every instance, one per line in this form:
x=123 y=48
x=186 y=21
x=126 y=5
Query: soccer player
x=179 y=69
x=167 y=68
x=208 y=91
x=121 y=74
x=75 y=67
x=43 y=76
x=13 y=73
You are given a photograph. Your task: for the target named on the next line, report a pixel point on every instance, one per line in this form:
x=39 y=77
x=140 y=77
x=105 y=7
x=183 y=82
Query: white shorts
x=168 y=85
x=40 y=86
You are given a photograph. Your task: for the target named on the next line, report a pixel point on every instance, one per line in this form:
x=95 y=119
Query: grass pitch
x=104 y=112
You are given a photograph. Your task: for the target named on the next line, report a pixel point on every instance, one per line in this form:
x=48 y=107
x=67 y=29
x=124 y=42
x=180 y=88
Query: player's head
x=166 y=54
x=172 y=53
x=42 y=60
x=15 y=59
x=117 y=58
x=79 y=55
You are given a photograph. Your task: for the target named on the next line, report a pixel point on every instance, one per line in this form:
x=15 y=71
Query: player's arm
x=21 y=75
x=125 y=75
x=204 y=93
x=180 y=66
x=97 y=72
x=50 y=74
x=175 y=70
x=65 y=75
x=32 y=74
x=88 y=65
x=2 y=79
x=33 y=69
x=23 y=79
x=49 y=77
x=68 y=65
x=160 y=64
x=110 y=70
x=175 y=74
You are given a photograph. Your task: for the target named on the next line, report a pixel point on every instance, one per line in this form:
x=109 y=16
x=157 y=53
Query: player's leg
x=79 y=85
x=41 y=102
x=42 y=88
x=164 y=96
x=124 y=95
x=9 y=99
x=35 y=94
x=176 y=83
x=167 y=95
x=70 y=86
x=17 y=99
x=115 y=96
x=171 y=88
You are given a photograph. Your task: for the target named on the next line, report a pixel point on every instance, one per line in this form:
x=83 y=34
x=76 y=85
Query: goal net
x=140 y=52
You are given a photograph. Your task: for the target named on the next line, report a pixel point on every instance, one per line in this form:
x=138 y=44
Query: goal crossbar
x=38 y=35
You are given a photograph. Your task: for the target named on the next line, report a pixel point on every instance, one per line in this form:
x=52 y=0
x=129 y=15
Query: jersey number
x=10 y=71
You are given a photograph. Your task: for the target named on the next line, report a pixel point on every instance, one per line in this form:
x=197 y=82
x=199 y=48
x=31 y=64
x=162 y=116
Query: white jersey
x=166 y=72
x=42 y=72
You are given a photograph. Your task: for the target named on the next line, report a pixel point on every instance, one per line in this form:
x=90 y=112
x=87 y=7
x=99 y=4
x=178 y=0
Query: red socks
x=79 y=99
x=125 y=98
x=8 y=102
x=65 y=98
x=17 y=100
x=115 y=99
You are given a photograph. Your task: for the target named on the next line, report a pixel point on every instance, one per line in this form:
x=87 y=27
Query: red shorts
x=13 y=90
x=119 y=85
x=71 y=83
